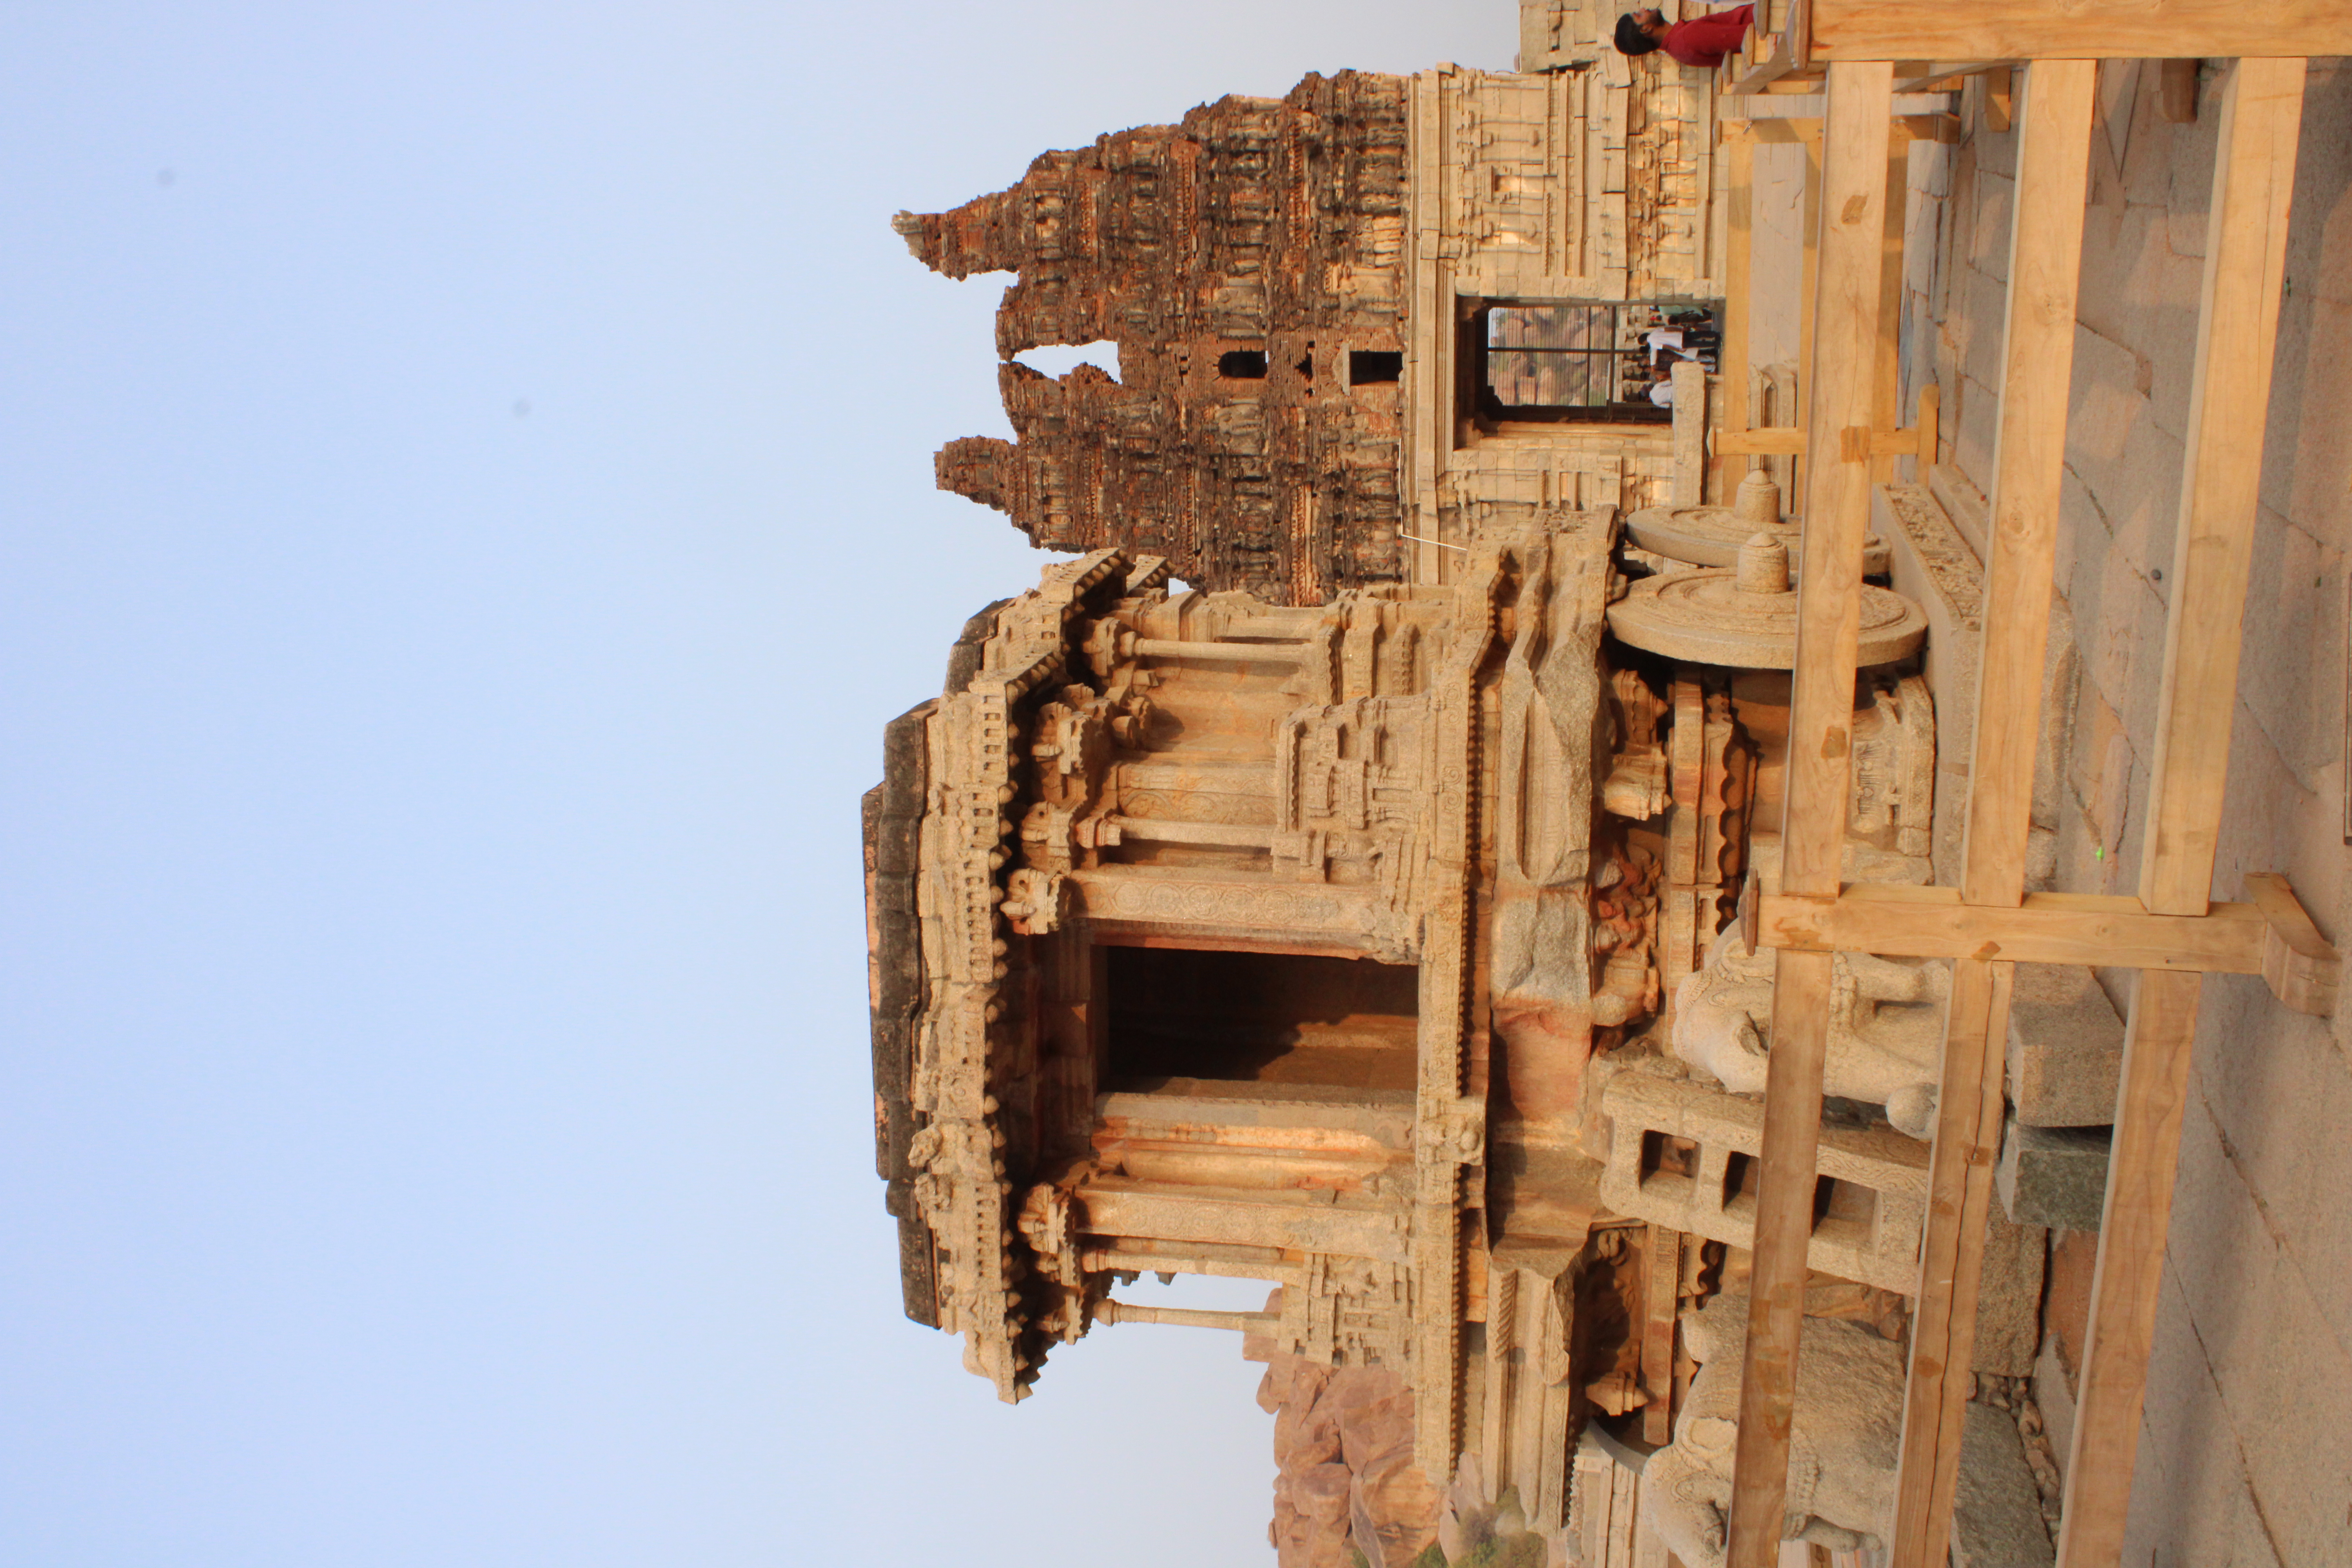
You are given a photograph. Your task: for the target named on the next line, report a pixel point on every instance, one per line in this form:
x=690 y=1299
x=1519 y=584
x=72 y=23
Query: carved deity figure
x=1886 y=1027
x=1845 y=1436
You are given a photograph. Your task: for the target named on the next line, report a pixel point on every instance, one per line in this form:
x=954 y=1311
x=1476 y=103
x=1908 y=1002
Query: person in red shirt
x=1702 y=42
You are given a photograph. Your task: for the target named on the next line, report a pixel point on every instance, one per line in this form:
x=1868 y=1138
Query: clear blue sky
x=465 y=488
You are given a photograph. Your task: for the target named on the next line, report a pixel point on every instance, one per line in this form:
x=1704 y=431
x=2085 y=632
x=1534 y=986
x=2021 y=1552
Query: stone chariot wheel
x=1746 y=618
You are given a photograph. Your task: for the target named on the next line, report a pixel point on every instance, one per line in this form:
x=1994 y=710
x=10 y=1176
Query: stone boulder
x=1345 y=1472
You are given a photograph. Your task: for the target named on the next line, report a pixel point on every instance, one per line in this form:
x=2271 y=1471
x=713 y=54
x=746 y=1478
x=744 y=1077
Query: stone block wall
x=2244 y=1455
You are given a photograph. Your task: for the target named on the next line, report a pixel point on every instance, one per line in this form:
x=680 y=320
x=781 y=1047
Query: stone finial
x=1763 y=561
x=1756 y=503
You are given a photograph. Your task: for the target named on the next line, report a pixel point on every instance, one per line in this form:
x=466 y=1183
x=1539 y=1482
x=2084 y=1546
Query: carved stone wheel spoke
x=1746 y=618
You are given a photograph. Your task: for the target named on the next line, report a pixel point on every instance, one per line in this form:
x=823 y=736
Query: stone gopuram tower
x=1359 y=327
x=1246 y=262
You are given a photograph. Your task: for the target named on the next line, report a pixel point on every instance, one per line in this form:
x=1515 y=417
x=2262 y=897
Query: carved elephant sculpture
x=1886 y=1026
x=1846 y=1435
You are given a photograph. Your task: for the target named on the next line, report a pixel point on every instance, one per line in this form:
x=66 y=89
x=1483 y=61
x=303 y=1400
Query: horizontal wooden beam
x=1907 y=31
x=2272 y=937
x=1784 y=440
x=1939 y=76
x=1926 y=125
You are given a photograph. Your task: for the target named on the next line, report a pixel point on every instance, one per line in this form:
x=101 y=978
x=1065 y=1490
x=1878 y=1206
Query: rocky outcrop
x=1343 y=1446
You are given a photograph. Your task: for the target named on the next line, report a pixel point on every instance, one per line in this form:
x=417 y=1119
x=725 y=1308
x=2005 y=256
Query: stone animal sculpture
x=1845 y=1434
x=1886 y=1027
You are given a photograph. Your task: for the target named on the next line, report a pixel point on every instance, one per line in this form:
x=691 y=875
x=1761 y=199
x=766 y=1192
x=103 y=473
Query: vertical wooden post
x=2028 y=463
x=1840 y=401
x=2229 y=404
x=1732 y=369
x=1809 y=224
x=2177 y=91
x=1661 y=1278
x=1926 y=423
x=1888 y=413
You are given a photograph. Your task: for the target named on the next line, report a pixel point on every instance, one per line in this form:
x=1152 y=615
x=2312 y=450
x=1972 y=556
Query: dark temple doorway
x=1261 y=1017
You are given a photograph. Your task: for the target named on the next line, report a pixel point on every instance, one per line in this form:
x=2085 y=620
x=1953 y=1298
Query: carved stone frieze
x=1349 y=1311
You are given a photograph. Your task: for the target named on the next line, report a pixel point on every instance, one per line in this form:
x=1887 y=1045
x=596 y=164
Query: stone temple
x=1356 y=864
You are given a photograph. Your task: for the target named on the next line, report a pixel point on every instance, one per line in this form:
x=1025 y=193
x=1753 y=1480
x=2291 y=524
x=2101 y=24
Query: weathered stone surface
x=2066 y=1048
x=1997 y=1508
x=2053 y=1396
x=2009 y=1296
x=2055 y=1176
x=1343 y=1443
x=1845 y=1431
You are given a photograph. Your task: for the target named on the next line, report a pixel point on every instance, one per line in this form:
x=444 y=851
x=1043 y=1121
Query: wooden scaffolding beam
x=2029 y=462
x=2270 y=935
x=2172 y=932
x=1840 y=380
x=2080 y=29
x=2228 y=405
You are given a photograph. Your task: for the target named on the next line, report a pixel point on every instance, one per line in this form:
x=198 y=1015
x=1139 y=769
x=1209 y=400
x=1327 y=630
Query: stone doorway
x=1260 y=1017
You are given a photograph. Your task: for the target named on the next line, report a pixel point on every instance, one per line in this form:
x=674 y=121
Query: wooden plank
x=1841 y=374
x=2081 y=29
x=1999 y=99
x=1809 y=224
x=1886 y=411
x=1771 y=439
x=1926 y=427
x=2230 y=395
x=1969 y=1112
x=1661 y=1273
x=1739 y=302
x=1934 y=76
x=1788 y=440
x=2229 y=404
x=2029 y=462
x=2177 y=91
x=2045 y=928
x=2145 y=1157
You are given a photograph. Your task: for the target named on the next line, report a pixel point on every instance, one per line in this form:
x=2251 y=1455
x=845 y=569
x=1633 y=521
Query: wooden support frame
x=1738 y=302
x=2270 y=936
x=2172 y=933
x=2228 y=405
x=1840 y=397
x=2029 y=460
